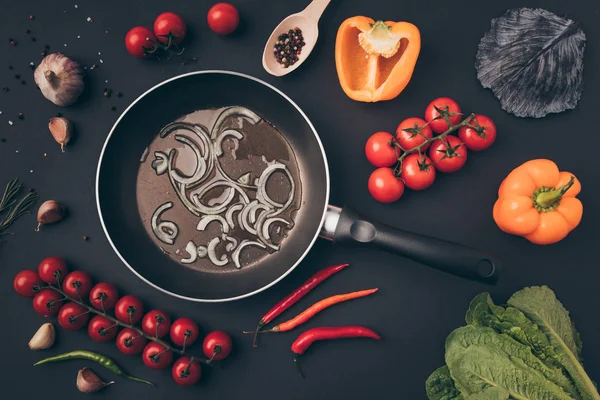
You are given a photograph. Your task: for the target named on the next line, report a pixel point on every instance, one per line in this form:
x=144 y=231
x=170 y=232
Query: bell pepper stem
x=547 y=199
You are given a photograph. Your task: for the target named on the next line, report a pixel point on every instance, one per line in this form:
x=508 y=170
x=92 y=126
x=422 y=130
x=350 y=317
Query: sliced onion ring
x=161 y=228
x=207 y=219
x=219 y=143
x=233 y=242
x=231 y=112
x=192 y=250
x=266 y=225
x=230 y=211
x=212 y=253
x=245 y=243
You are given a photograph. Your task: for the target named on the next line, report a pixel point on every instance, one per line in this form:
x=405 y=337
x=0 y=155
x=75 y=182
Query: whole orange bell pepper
x=375 y=60
x=537 y=201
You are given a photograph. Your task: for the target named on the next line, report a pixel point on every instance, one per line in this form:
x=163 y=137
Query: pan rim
x=226 y=299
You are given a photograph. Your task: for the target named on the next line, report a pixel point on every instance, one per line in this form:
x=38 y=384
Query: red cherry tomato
x=129 y=309
x=412 y=132
x=169 y=23
x=77 y=284
x=102 y=329
x=51 y=267
x=223 y=18
x=418 y=172
x=384 y=186
x=47 y=302
x=156 y=356
x=217 y=345
x=184 y=331
x=156 y=323
x=479 y=134
x=186 y=372
x=140 y=41
x=27 y=283
x=72 y=316
x=448 y=154
x=436 y=122
x=103 y=296
x=380 y=150
x=129 y=342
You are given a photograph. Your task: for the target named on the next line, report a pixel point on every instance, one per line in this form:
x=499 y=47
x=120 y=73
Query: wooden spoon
x=308 y=21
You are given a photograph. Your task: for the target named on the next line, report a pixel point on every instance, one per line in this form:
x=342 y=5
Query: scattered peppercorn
x=119 y=94
x=21 y=116
x=3 y=140
x=17 y=76
x=23 y=82
x=113 y=108
x=5 y=89
x=31 y=17
x=32 y=39
x=85 y=238
x=43 y=54
x=46 y=46
x=107 y=92
x=288 y=47
x=10 y=67
x=13 y=42
x=28 y=31
x=58 y=115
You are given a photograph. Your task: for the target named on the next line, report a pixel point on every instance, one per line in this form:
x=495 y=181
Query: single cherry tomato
x=51 y=268
x=223 y=18
x=448 y=154
x=380 y=150
x=156 y=323
x=102 y=329
x=418 y=172
x=73 y=316
x=104 y=296
x=479 y=134
x=129 y=309
x=156 y=356
x=184 y=332
x=27 y=283
x=412 y=132
x=169 y=24
x=217 y=345
x=384 y=186
x=186 y=372
x=77 y=284
x=130 y=342
x=437 y=123
x=47 y=302
x=140 y=42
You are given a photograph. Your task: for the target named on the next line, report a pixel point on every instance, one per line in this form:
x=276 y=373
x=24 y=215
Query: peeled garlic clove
x=49 y=212
x=61 y=130
x=43 y=338
x=89 y=382
x=60 y=79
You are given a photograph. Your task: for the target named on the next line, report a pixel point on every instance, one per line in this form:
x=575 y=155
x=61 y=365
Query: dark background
x=415 y=308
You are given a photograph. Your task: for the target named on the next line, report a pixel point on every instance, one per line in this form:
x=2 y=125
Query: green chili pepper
x=98 y=358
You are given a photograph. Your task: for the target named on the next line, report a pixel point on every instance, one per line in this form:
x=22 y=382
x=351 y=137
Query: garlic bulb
x=89 y=382
x=43 y=338
x=60 y=79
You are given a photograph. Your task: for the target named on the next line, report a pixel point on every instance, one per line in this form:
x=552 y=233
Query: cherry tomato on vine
x=448 y=154
x=50 y=267
x=380 y=151
x=156 y=323
x=103 y=296
x=27 y=282
x=223 y=18
x=384 y=186
x=102 y=329
x=439 y=125
x=140 y=41
x=418 y=172
x=130 y=342
x=479 y=134
x=47 y=302
x=129 y=309
x=156 y=356
x=217 y=345
x=412 y=132
x=77 y=284
x=184 y=330
x=169 y=23
x=186 y=372
x=73 y=316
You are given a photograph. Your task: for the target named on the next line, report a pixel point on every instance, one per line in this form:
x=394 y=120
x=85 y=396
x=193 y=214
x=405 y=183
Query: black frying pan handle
x=440 y=254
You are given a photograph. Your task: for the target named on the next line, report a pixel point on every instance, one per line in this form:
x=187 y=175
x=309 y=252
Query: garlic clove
x=43 y=338
x=60 y=79
x=89 y=382
x=61 y=130
x=49 y=212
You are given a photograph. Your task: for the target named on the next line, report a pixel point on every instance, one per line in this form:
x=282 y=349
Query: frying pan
x=167 y=101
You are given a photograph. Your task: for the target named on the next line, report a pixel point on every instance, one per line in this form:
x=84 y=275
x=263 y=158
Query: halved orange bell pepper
x=537 y=201
x=375 y=60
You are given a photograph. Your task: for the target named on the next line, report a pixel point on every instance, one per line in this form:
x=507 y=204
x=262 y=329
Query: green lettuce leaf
x=440 y=386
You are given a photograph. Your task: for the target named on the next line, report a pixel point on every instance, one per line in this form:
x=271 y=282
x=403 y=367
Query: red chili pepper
x=317 y=308
x=296 y=295
x=306 y=339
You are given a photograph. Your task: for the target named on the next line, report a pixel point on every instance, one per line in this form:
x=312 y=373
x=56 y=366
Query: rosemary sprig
x=15 y=208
